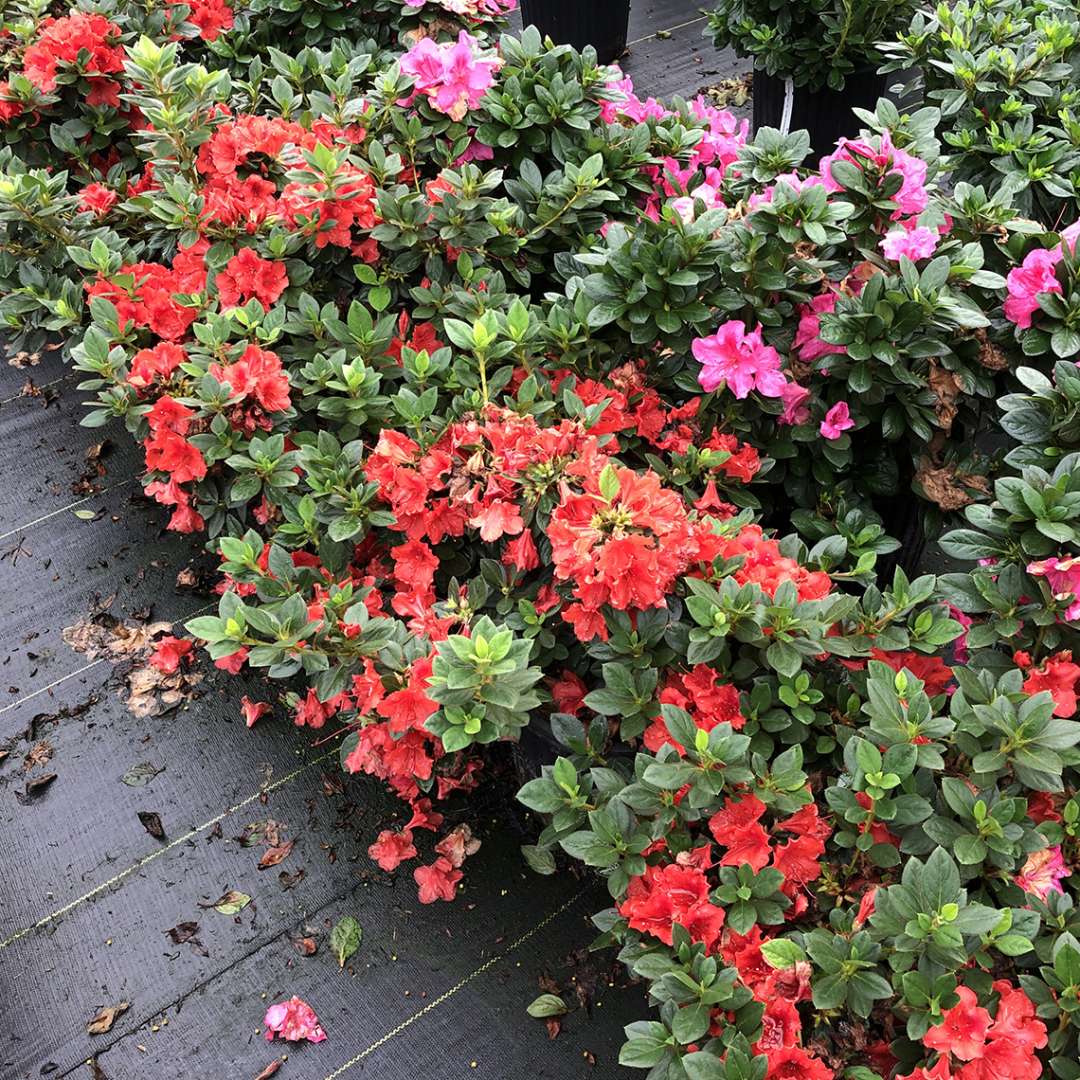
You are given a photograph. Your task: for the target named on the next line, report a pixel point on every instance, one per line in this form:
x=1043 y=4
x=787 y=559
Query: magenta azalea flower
x=1063 y=576
x=917 y=243
x=450 y=75
x=837 y=421
x=1025 y=283
x=741 y=360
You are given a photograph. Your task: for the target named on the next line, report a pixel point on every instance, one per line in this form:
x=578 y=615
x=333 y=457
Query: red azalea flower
x=249 y=276
x=521 y=553
x=162 y=360
x=258 y=374
x=795 y=1063
x=780 y=1026
x=170 y=653
x=8 y=109
x=737 y=828
x=97 y=199
x=1059 y=675
x=168 y=414
x=438 y=881
x=168 y=452
x=568 y=692
x=252 y=710
x=666 y=895
x=625 y=552
x=410 y=706
x=63 y=41
x=233 y=662
x=963 y=1028
x=932 y=670
x=392 y=848
x=211 y=17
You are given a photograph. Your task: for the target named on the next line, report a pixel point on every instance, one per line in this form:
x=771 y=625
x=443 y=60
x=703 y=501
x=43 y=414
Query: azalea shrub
x=518 y=409
x=1003 y=73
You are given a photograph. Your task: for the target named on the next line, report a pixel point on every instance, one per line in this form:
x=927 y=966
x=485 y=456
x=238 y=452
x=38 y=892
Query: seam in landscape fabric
x=140 y=863
x=70 y=506
x=447 y=994
x=667 y=30
x=79 y=671
x=52 y=685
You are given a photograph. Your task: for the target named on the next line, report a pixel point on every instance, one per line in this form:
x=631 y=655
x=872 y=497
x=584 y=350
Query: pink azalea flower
x=794 y=398
x=837 y=421
x=808 y=341
x=450 y=75
x=293 y=1020
x=911 y=199
x=917 y=243
x=684 y=206
x=1063 y=576
x=1025 y=282
x=741 y=360
x=1043 y=872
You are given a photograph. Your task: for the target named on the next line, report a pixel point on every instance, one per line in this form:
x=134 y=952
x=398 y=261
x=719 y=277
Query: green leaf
x=345 y=939
x=232 y=902
x=547 y=1005
x=782 y=953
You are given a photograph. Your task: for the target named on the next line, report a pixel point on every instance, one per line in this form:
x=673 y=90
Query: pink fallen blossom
x=837 y=421
x=1043 y=872
x=739 y=359
x=917 y=243
x=293 y=1020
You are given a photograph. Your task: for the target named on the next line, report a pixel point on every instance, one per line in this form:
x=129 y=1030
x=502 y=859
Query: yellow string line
x=98 y=889
x=667 y=30
x=64 y=509
x=446 y=995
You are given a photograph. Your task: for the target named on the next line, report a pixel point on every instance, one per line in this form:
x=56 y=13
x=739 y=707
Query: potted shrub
x=601 y=25
x=814 y=60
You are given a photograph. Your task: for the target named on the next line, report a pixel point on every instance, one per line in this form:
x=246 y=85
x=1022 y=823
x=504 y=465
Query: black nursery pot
x=600 y=23
x=825 y=113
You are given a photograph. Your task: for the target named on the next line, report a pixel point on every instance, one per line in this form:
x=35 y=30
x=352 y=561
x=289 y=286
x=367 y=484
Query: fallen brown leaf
x=151 y=822
x=39 y=754
x=105 y=1019
x=35 y=788
x=305 y=946
x=288 y=880
x=272 y=856
x=187 y=933
x=269 y=1070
